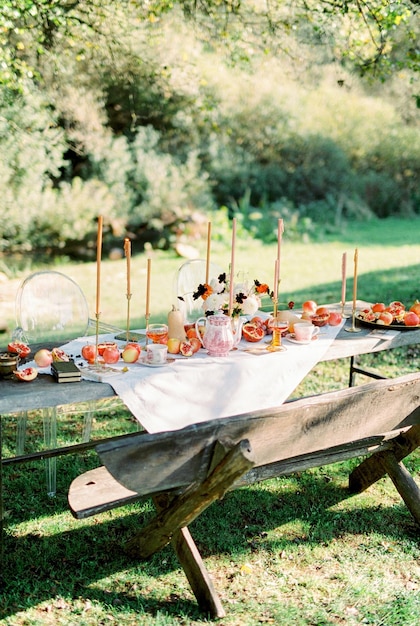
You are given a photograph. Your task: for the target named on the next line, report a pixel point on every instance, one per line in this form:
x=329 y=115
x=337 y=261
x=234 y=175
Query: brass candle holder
x=353 y=328
x=127 y=337
x=343 y=315
x=275 y=345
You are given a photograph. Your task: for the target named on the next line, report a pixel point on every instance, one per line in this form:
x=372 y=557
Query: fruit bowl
x=8 y=364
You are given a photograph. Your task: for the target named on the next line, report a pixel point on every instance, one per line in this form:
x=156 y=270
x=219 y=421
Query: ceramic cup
x=156 y=354
x=305 y=331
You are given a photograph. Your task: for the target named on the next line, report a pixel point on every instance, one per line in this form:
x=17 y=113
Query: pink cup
x=305 y=331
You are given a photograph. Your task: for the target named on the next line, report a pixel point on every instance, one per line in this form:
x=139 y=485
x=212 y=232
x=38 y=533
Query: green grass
x=298 y=550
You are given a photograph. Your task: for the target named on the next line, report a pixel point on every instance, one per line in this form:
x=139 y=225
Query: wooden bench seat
x=185 y=471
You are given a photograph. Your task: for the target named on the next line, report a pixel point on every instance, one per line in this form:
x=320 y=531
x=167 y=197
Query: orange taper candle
x=98 y=263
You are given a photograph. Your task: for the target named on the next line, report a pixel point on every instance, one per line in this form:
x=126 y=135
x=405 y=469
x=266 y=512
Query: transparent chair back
x=50 y=306
x=189 y=276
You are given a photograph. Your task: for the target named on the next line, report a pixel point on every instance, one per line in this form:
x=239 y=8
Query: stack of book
x=66 y=372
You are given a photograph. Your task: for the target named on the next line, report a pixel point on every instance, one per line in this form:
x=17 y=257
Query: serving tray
x=386 y=327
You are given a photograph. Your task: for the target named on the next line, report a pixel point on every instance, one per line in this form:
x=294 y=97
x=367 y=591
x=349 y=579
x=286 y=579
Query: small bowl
x=8 y=364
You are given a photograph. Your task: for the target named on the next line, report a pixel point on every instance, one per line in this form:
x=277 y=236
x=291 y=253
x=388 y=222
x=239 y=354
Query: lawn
x=297 y=550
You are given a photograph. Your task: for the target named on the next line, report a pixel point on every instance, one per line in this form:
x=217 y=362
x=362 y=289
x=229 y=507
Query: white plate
x=168 y=362
x=291 y=337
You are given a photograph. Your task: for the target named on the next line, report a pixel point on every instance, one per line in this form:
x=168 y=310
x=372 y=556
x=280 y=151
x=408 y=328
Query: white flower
x=250 y=305
x=214 y=302
x=216 y=286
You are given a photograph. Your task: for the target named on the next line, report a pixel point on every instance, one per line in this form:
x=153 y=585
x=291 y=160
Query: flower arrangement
x=246 y=299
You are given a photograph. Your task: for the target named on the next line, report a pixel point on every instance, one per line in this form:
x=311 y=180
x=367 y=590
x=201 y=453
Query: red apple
x=43 y=358
x=111 y=355
x=334 y=318
x=130 y=354
x=89 y=352
x=310 y=306
x=133 y=344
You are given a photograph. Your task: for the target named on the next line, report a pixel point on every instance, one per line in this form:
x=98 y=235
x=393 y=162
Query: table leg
x=21 y=423
x=49 y=417
x=88 y=420
x=1 y=500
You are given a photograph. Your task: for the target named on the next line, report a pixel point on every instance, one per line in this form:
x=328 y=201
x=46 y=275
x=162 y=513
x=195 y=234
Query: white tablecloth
x=199 y=388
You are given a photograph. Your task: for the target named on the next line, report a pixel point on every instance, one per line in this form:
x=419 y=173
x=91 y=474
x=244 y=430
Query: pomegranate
x=411 y=319
x=186 y=348
x=20 y=348
x=27 y=374
x=415 y=308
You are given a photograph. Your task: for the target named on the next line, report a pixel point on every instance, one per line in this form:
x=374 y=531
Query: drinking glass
x=157 y=333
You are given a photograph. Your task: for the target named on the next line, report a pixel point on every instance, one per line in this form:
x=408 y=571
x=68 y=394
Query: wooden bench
x=185 y=471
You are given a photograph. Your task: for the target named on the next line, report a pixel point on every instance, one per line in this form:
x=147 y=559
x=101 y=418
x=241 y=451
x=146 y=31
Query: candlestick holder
x=128 y=317
x=353 y=328
x=97 y=315
x=343 y=315
x=278 y=326
x=147 y=318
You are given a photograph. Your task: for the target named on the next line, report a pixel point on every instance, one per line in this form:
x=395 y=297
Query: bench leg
x=186 y=507
x=389 y=462
x=404 y=483
x=195 y=570
x=174 y=514
x=371 y=469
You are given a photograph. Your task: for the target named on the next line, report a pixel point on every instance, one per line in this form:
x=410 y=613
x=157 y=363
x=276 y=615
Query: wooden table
x=44 y=392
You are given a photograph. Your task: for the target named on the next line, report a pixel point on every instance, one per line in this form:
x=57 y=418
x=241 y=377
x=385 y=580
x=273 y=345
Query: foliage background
x=158 y=114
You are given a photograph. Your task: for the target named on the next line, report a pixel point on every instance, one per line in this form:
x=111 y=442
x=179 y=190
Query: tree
x=374 y=36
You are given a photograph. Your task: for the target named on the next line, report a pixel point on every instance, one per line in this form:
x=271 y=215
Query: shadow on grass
x=38 y=568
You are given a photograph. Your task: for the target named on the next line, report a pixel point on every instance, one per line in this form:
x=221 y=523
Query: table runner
x=199 y=388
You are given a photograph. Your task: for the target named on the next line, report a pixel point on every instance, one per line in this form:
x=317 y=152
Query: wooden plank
x=163 y=461
x=96 y=491
x=324 y=457
x=191 y=503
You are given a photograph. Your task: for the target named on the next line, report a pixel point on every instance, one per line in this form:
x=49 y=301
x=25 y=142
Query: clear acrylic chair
x=50 y=307
x=189 y=276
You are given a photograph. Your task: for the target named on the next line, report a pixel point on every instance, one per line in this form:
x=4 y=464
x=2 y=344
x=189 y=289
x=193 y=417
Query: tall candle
x=98 y=263
x=232 y=266
x=127 y=252
x=276 y=281
x=149 y=265
x=208 y=252
x=356 y=257
x=280 y=231
x=343 y=278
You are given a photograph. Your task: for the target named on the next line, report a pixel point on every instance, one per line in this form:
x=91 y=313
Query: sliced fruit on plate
x=252 y=332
